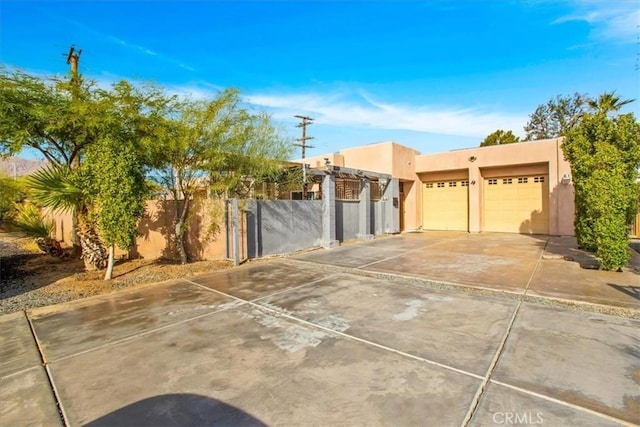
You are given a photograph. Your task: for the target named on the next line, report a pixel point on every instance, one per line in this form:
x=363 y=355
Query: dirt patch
x=29 y=279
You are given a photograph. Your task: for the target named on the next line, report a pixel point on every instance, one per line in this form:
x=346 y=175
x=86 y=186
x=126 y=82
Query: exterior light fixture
x=473 y=158
x=566 y=179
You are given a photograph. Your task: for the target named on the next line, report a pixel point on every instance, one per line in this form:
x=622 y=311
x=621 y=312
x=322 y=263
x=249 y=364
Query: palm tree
x=608 y=102
x=61 y=188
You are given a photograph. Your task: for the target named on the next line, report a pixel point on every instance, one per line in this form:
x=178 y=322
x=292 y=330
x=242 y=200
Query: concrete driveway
x=421 y=329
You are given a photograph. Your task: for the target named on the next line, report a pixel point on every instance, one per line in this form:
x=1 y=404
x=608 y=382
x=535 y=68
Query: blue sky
x=433 y=75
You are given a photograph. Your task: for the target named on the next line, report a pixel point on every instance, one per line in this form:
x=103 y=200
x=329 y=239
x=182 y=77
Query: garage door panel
x=517 y=204
x=445 y=205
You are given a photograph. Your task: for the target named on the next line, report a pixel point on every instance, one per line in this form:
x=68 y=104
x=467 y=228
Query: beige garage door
x=517 y=204
x=445 y=205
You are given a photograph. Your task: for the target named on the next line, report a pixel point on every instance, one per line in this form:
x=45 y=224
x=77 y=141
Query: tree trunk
x=109 y=273
x=75 y=240
x=180 y=231
x=93 y=251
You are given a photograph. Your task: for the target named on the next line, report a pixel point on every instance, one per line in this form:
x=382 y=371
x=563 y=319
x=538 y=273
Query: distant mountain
x=19 y=166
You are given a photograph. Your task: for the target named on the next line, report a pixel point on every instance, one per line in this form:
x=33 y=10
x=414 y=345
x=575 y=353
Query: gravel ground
x=14 y=244
x=30 y=279
x=14 y=252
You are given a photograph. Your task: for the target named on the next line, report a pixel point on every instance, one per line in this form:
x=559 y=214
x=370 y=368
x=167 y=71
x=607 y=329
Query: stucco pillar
x=391 y=197
x=236 y=231
x=329 y=212
x=475 y=199
x=364 y=210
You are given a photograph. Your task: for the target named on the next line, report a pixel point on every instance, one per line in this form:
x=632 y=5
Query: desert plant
x=12 y=192
x=61 y=188
x=30 y=220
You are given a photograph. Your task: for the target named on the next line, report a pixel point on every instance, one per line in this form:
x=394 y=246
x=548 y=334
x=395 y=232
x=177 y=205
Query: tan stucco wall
x=336 y=159
x=384 y=157
x=525 y=158
x=156 y=238
x=543 y=156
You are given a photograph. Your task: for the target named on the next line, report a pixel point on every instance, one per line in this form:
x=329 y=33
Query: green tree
x=604 y=153
x=59 y=117
x=51 y=115
x=556 y=117
x=123 y=114
x=115 y=178
x=500 y=137
x=214 y=143
x=62 y=117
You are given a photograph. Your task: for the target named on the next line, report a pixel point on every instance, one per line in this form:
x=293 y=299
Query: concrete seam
x=401 y=279
x=49 y=375
x=354 y=338
x=563 y=403
x=145 y=333
x=87 y=301
x=161 y=328
x=21 y=371
x=496 y=358
x=395 y=277
x=283 y=291
x=401 y=254
x=610 y=310
x=439 y=284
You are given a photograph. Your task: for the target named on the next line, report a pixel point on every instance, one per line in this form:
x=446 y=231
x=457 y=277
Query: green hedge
x=604 y=153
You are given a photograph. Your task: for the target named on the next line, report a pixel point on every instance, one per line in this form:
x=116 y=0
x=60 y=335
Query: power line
x=305 y=121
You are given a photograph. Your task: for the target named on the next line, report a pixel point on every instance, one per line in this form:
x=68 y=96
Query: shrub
x=604 y=154
x=12 y=193
x=30 y=220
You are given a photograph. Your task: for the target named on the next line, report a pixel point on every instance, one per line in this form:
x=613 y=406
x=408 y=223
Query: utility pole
x=303 y=141
x=73 y=58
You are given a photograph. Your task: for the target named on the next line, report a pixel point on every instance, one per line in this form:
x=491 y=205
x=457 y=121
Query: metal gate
x=235 y=220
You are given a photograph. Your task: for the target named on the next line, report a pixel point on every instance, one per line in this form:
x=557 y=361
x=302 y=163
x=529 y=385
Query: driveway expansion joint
x=496 y=358
x=147 y=332
x=45 y=365
x=402 y=253
x=564 y=403
x=283 y=313
x=282 y=291
x=401 y=279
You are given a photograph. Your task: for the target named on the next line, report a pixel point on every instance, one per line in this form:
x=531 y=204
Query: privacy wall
x=285 y=226
x=282 y=226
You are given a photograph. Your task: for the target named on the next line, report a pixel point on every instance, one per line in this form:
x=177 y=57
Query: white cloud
x=196 y=92
x=612 y=20
x=128 y=45
x=366 y=111
x=149 y=52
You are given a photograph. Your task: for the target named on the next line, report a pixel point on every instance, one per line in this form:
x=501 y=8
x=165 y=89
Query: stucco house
x=514 y=188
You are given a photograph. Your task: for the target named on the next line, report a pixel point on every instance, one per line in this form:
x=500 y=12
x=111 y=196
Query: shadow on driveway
x=177 y=410
x=632 y=291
